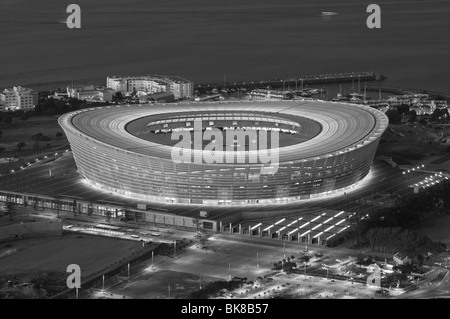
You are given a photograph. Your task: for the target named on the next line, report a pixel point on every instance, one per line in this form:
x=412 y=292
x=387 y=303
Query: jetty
x=295 y=82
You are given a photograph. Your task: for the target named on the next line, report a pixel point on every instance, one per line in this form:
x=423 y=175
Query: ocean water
x=203 y=40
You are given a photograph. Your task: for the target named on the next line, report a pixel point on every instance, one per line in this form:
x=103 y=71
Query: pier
x=297 y=82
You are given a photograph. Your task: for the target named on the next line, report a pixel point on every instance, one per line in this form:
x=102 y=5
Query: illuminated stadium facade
x=323 y=147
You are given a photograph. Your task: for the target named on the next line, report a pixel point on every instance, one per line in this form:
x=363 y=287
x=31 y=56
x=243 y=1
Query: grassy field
x=23 y=131
x=437 y=228
x=36 y=268
x=416 y=144
x=91 y=253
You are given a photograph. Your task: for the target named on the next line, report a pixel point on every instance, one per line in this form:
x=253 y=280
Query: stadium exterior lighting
x=109 y=153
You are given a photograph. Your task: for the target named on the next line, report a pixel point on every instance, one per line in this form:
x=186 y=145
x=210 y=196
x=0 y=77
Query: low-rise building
x=90 y=93
x=400 y=259
x=163 y=97
x=18 y=98
x=96 y=95
x=59 y=95
x=72 y=91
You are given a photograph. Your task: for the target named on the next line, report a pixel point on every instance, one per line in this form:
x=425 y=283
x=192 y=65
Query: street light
x=257 y=260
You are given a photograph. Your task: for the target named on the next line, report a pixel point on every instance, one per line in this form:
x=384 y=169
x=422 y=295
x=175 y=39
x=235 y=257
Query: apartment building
x=151 y=84
x=18 y=98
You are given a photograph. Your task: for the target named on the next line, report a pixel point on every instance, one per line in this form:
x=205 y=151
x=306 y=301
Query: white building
x=180 y=87
x=90 y=93
x=150 y=84
x=95 y=95
x=141 y=85
x=72 y=91
x=18 y=98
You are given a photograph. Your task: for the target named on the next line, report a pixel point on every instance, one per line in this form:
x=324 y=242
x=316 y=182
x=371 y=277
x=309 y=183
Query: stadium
x=320 y=147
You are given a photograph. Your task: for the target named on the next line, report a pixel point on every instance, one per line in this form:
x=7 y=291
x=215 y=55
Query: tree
x=420 y=258
x=1 y=133
x=126 y=212
x=21 y=145
x=119 y=96
x=35 y=204
x=394 y=116
x=36 y=146
x=8 y=120
x=108 y=216
x=25 y=116
x=10 y=206
x=37 y=136
x=403 y=109
x=75 y=209
x=44 y=138
x=59 y=134
x=90 y=209
x=412 y=116
x=57 y=204
x=360 y=259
